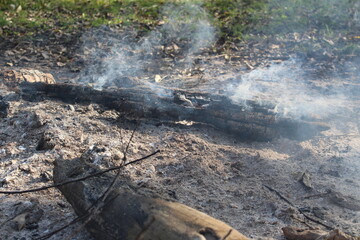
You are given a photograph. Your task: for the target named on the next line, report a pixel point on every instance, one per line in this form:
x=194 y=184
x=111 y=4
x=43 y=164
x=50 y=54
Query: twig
x=299 y=209
x=96 y=207
x=316 y=195
x=303 y=222
x=280 y=195
x=80 y=179
x=227 y=235
x=130 y=140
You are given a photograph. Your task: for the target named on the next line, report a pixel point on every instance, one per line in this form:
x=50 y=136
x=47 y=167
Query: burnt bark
x=250 y=122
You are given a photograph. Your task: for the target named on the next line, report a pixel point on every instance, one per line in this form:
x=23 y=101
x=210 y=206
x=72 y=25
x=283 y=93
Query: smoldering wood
x=247 y=122
x=131 y=213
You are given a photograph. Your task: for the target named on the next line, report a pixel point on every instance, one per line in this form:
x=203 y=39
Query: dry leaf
x=158 y=78
x=60 y=64
x=20 y=221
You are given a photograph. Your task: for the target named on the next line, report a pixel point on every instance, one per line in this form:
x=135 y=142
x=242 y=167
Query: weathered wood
x=250 y=122
x=130 y=214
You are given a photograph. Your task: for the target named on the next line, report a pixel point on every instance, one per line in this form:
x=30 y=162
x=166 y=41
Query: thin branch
x=299 y=209
x=227 y=235
x=96 y=207
x=80 y=179
x=318 y=195
x=280 y=195
x=130 y=140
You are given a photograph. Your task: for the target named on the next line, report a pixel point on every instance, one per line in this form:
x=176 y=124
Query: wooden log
x=250 y=122
x=129 y=214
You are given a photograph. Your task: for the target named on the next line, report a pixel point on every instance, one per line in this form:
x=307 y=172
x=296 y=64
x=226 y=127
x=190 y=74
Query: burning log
x=250 y=122
x=129 y=213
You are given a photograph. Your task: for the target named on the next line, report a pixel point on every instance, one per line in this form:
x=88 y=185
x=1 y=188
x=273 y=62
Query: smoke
x=126 y=61
x=289 y=88
x=321 y=80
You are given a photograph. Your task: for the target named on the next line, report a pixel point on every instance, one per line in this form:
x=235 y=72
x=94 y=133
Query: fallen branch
x=129 y=213
x=299 y=209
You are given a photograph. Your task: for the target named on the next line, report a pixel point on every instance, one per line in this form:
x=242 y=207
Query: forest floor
x=201 y=167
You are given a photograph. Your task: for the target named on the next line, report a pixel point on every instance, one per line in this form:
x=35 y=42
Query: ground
x=199 y=166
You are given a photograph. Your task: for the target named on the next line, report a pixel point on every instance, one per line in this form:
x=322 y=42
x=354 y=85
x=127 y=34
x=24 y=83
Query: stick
x=100 y=202
x=293 y=205
x=227 y=235
x=79 y=179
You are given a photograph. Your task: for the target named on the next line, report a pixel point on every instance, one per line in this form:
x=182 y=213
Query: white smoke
x=288 y=87
x=124 y=60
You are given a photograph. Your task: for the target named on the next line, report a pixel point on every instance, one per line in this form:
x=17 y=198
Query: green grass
x=234 y=19
x=20 y=15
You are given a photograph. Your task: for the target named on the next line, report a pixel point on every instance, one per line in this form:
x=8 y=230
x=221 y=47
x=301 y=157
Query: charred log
x=250 y=122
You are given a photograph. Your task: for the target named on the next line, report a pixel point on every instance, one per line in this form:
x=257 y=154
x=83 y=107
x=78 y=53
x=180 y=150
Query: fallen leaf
x=60 y=64
x=20 y=221
x=18 y=9
x=45 y=55
x=176 y=47
x=306 y=180
x=158 y=78
x=274 y=46
x=329 y=42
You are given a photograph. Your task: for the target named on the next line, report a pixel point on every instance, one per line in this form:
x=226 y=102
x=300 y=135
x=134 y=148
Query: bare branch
x=299 y=209
x=80 y=179
x=130 y=140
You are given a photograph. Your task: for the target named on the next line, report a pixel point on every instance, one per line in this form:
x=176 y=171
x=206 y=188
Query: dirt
x=201 y=167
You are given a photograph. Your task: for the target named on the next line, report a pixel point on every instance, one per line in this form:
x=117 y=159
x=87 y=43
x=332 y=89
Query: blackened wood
x=250 y=122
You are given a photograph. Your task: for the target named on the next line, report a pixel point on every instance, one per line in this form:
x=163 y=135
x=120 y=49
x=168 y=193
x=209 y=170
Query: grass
x=30 y=15
x=235 y=20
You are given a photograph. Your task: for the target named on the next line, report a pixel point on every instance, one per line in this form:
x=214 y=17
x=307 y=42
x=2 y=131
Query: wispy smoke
x=290 y=89
x=185 y=27
x=322 y=30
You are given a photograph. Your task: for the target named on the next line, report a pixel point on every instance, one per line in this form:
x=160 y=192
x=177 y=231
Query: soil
x=199 y=166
